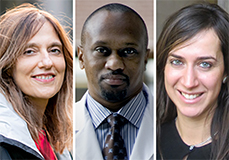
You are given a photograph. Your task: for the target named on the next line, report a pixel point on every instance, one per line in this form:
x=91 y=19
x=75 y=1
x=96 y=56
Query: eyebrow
x=105 y=43
x=100 y=42
x=174 y=55
x=198 y=58
x=58 y=44
x=131 y=44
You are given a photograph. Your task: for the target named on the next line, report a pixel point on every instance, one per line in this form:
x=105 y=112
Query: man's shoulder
x=83 y=99
x=81 y=104
x=149 y=96
x=80 y=112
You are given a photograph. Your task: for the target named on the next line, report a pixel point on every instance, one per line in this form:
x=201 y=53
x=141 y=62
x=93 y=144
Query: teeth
x=192 y=96
x=44 y=77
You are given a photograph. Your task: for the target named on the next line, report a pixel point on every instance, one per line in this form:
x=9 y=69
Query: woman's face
x=193 y=74
x=40 y=70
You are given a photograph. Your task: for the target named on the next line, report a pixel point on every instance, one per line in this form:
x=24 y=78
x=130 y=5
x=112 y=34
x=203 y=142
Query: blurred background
x=85 y=7
x=167 y=7
x=60 y=9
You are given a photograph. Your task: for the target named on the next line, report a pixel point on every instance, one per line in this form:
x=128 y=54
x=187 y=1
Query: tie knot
x=116 y=120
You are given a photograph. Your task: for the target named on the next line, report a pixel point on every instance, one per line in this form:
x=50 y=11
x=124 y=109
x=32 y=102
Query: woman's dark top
x=172 y=146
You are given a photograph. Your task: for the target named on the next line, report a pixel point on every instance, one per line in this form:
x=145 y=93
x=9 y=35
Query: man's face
x=114 y=57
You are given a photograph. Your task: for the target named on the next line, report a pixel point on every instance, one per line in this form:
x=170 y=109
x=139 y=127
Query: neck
x=194 y=131
x=114 y=106
x=40 y=105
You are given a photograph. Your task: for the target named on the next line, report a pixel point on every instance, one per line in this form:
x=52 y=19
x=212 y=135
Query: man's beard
x=113 y=95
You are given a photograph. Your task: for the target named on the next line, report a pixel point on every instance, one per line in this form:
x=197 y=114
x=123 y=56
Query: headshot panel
x=114 y=117
x=83 y=8
x=36 y=72
x=192 y=82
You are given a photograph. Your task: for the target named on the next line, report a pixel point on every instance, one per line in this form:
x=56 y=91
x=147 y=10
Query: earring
x=225 y=79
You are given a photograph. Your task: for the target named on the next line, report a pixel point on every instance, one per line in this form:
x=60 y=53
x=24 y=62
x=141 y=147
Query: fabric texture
x=4 y=154
x=114 y=147
x=15 y=138
x=132 y=111
x=44 y=146
x=87 y=146
x=172 y=146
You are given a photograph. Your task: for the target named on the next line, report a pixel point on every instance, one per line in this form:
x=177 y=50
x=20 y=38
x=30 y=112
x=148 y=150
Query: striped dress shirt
x=133 y=111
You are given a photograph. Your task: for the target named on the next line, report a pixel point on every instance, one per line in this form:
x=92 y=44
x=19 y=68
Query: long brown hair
x=180 y=27
x=17 y=27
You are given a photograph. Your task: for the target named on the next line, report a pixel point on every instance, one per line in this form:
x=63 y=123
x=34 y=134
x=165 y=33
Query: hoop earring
x=225 y=79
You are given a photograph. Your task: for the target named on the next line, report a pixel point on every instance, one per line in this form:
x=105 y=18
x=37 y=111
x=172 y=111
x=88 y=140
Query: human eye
x=205 y=65
x=128 y=52
x=176 y=62
x=29 y=51
x=55 y=50
x=103 y=50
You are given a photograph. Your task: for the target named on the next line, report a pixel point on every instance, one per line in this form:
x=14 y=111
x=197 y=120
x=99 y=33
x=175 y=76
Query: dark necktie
x=114 y=147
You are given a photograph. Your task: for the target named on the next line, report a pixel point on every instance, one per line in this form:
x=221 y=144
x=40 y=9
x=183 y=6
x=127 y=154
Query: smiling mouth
x=191 y=96
x=44 y=77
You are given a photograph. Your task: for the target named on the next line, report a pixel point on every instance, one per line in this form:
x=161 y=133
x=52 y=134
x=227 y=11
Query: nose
x=45 y=60
x=114 y=62
x=189 y=77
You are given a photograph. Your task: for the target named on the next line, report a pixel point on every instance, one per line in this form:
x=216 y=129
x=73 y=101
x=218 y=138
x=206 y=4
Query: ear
x=81 y=56
x=146 y=57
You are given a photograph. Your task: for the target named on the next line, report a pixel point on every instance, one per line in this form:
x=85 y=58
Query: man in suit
x=114 y=54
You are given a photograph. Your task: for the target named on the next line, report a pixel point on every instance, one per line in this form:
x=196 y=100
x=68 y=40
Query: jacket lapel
x=86 y=143
x=144 y=143
x=87 y=146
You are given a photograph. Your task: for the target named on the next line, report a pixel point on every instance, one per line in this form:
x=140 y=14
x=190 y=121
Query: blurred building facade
x=165 y=8
x=60 y=9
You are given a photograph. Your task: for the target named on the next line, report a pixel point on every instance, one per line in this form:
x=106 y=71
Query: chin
x=46 y=95
x=114 y=95
x=191 y=113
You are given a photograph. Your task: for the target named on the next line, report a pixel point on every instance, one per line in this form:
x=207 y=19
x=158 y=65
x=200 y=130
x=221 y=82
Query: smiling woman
x=192 y=90
x=188 y=70
x=36 y=86
x=45 y=67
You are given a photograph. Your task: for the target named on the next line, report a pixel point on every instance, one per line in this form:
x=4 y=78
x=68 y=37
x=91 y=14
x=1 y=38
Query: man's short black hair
x=114 y=7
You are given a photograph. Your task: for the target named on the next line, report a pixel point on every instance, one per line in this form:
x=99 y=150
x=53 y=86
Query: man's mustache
x=115 y=75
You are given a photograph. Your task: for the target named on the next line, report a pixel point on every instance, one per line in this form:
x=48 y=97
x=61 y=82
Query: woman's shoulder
x=4 y=153
x=66 y=155
x=3 y=100
x=9 y=151
x=168 y=126
x=15 y=137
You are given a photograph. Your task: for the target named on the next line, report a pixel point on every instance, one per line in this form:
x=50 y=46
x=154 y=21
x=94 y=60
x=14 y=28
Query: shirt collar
x=132 y=111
